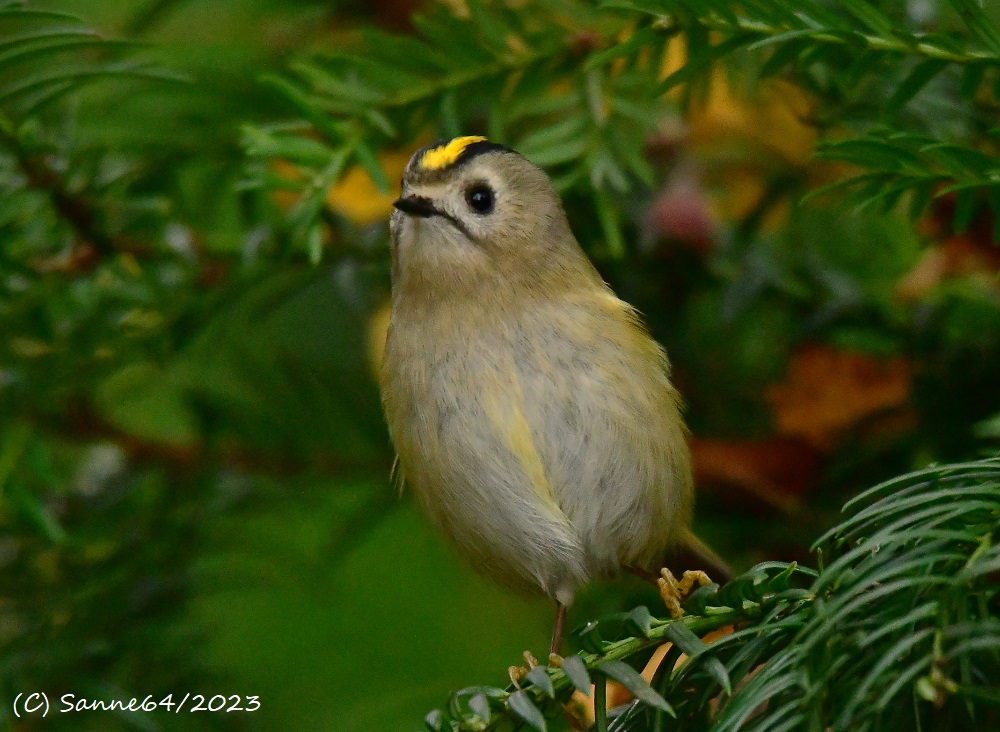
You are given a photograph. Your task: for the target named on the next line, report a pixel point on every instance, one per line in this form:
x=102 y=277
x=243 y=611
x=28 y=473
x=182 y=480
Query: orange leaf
x=828 y=391
x=959 y=256
x=357 y=197
x=774 y=471
x=580 y=709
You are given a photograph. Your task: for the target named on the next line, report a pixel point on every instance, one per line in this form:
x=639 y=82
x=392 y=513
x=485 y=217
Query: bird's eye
x=480 y=198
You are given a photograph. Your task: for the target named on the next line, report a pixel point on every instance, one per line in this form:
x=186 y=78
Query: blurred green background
x=194 y=471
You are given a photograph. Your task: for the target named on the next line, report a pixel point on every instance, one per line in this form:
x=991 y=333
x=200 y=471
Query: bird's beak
x=416 y=206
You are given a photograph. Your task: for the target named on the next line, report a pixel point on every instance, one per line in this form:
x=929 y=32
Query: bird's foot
x=673 y=591
x=516 y=673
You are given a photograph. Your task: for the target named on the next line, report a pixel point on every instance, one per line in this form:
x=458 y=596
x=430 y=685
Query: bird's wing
x=505 y=410
x=396 y=474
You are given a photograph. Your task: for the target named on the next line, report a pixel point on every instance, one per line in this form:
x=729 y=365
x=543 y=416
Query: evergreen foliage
x=899 y=629
x=186 y=323
x=560 y=85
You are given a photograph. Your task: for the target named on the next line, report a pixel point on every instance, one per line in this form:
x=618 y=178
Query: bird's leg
x=517 y=673
x=557 y=631
x=673 y=591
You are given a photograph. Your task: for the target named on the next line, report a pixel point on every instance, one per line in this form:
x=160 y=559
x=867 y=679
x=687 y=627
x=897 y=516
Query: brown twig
x=80 y=423
x=76 y=210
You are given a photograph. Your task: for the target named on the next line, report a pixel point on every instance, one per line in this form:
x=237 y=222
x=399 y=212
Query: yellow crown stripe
x=445 y=155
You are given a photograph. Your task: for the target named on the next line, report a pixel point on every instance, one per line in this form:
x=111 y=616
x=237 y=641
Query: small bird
x=531 y=411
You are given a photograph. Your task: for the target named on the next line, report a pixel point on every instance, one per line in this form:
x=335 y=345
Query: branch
x=904 y=612
x=80 y=423
x=77 y=211
x=867 y=28
x=771 y=34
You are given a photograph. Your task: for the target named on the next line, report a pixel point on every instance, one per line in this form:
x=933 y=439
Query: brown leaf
x=775 y=472
x=580 y=709
x=828 y=391
x=959 y=256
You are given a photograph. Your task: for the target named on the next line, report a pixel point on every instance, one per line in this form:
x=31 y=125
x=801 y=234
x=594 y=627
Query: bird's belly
x=552 y=478
x=476 y=472
x=617 y=463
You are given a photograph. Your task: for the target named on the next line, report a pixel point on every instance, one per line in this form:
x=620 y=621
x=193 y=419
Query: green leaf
x=433 y=720
x=873 y=154
x=782 y=56
x=608 y=216
x=522 y=705
x=590 y=637
x=916 y=80
x=559 y=153
x=920 y=197
x=640 y=620
x=404 y=51
x=37 y=89
x=870 y=16
x=637 y=112
x=12 y=449
x=697 y=602
x=694 y=647
x=542 y=104
x=31 y=38
x=314 y=243
x=491 y=29
x=444 y=30
x=342 y=93
x=960 y=160
x=576 y=672
x=652 y=7
x=295 y=148
x=993 y=197
x=783 y=579
x=783 y=40
x=633 y=681
x=979 y=23
x=539 y=676
x=877 y=672
x=39 y=514
x=568 y=132
x=703 y=59
x=972 y=78
x=480 y=706
x=368 y=160
x=747 y=586
x=16 y=12
x=304 y=105
x=965 y=208
x=640 y=39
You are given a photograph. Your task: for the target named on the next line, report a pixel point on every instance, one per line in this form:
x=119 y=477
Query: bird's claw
x=516 y=673
x=673 y=591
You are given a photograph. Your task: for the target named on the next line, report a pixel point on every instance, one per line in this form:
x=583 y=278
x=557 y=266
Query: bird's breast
x=556 y=415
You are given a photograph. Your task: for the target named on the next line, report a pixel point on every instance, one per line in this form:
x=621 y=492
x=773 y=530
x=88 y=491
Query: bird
x=532 y=413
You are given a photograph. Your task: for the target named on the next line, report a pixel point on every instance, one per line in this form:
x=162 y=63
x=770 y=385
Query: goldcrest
x=532 y=412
